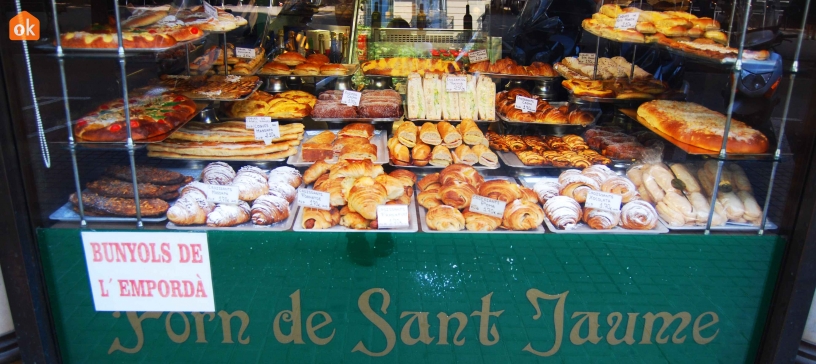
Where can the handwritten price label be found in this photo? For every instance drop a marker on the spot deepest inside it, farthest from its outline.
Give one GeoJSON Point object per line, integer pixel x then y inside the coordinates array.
{"type": "Point", "coordinates": [586, 58]}
{"type": "Point", "coordinates": [526, 104]}
{"type": "Point", "coordinates": [392, 216]}
{"type": "Point", "coordinates": [316, 199]}
{"type": "Point", "coordinates": [351, 98]}
{"type": "Point", "coordinates": [477, 56]}
{"type": "Point", "coordinates": [267, 132]}
{"type": "Point", "coordinates": [626, 21]}
{"type": "Point", "coordinates": [603, 201]}
{"type": "Point", "coordinates": [254, 121]}
{"type": "Point", "coordinates": [245, 52]}
{"type": "Point", "coordinates": [210, 10]}
{"type": "Point", "coordinates": [487, 206]}
{"type": "Point", "coordinates": [456, 84]}
{"type": "Point", "coordinates": [223, 194]}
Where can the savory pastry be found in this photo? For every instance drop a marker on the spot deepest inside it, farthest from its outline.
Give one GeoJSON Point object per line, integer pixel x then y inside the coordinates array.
{"type": "Point", "coordinates": [478, 222]}
{"type": "Point", "coordinates": [319, 147]}
{"type": "Point", "coordinates": [463, 154]}
{"type": "Point", "coordinates": [359, 152]}
{"type": "Point", "coordinates": [268, 210]}
{"type": "Point", "coordinates": [444, 218]}
{"type": "Point", "coordinates": [150, 116]}
{"type": "Point", "coordinates": [333, 69]}
{"type": "Point", "coordinates": [563, 212]}
{"type": "Point", "coordinates": [217, 173]}
{"type": "Point", "coordinates": [357, 130]}
{"type": "Point", "coordinates": [315, 171]}
{"type": "Point", "coordinates": [601, 219]}
{"type": "Point", "coordinates": [319, 219]}
{"type": "Point", "coordinates": [638, 215]}
{"type": "Point", "coordinates": [499, 189]}
{"type": "Point", "coordinates": [421, 154]}
{"type": "Point", "coordinates": [407, 134]}
{"type": "Point", "coordinates": [398, 153]}
{"type": "Point", "coordinates": [486, 156]}
{"type": "Point", "coordinates": [229, 215]}
{"type": "Point", "coordinates": [251, 182]}
{"type": "Point", "coordinates": [429, 134]}
{"type": "Point", "coordinates": [365, 196]}
{"type": "Point", "coordinates": [353, 220]}
{"type": "Point", "coordinates": [620, 186]}
{"type": "Point", "coordinates": [522, 215]}
{"type": "Point", "coordinates": [290, 58]}
{"type": "Point", "coordinates": [191, 208]}
{"type": "Point", "coordinates": [441, 156]}
{"type": "Point", "coordinates": [450, 136]}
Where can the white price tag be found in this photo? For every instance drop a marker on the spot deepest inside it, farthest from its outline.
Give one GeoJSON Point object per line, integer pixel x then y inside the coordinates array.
{"type": "Point", "coordinates": [456, 84]}
{"type": "Point", "coordinates": [477, 56]}
{"type": "Point", "coordinates": [245, 52]}
{"type": "Point", "coordinates": [487, 206]}
{"type": "Point", "coordinates": [626, 20]}
{"type": "Point", "coordinates": [603, 201]}
{"type": "Point", "coordinates": [351, 98]}
{"type": "Point", "coordinates": [392, 216]}
{"type": "Point", "coordinates": [223, 194]}
{"type": "Point", "coordinates": [254, 121]}
{"type": "Point", "coordinates": [586, 58]}
{"type": "Point", "coordinates": [267, 132]}
{"type": "Point", "coordinates": [316, 199]}
{"type": "Point", "coordinates": [210, 10]}
{"type": "Point", "coordinates": [526, 104]}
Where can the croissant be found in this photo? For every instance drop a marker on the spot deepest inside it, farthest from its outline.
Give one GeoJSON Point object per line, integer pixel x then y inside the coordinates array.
{"type": "Point", "coordinates": [429, 199]}
{"type": "Point", "coordinates": [407, 134]}
{"type": "Point", "coordinates": [406, 177]}
{"type": "Point", "coordinates": [286, 175]}
{"type": "Point", "coordinates": [353, 220]}
{"type": "Point", "coordinates": [577, 186]}
{"type": "Point", "coordinates": [638, 215]}
{"type": "Point", "coordinates": [404, 199]}
{"type": "Point", "coordinates": [217, 173]}
{"type": "Point", "coordinates": [601, 219]}
{"type": "Point", "coordinates": [546, 189]}
{"type": "Point", "coordinates": [522, 215]}
{"type": "Point", "coordinates": [527, 194]}
{"type": "Point", "coordinates": [335, 188]}
{"type": "Point", "coordinates": [428, 180]}
{"type": "Point", "coordinates": [620, 186]}
{"type": "Point", "coordinates": [461, 172]}
{"type": "Point", "coordinates": [228, 215]}
{"type": "Point", "coordinates": [319, 219]}
{"type": "Point", "coordinates": [563, 212]}
{"type": "Point", "coordinates": [450, 136]}
{"type": "Point", "coordinates": [269, 209]}
{"type": "Point", "coordinates": [314, 171]}
{"type": "Point", "coordinates": [365, 196]}
{"type": "Point", "coordinates": [457, 194]}
{"type": "Point", "coordinates": [444, 218]}
{"type": "Point", "coordinates": [356, 169]}
{"type": "Point", "coordinates": [499, 189]}
{"type": "Point", "coordinates": [320, 184]}
{"type": "Point", "coordinates": [191, 208]}
{"type": "Point", "coordinates": [393, 186]}
{"type": "Point", "coordinates": [478, 222]}
{"type": "Point", "coordinates": [283, 191]}
{"type": "Point", "coordinates": [251, 182]}
{"type": "Point", "coordinates": [598, 173]}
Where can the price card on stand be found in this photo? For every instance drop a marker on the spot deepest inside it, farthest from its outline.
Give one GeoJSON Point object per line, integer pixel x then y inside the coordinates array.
{"type": "Point", "coordinates": [351, 98]}
{"type": "Point", "coordinates": [487, 206]}
{"type": "Point", "coordinates": [392, 216]}
{"type": "Point", "coordinates": [526, 104]}
{"type": "Point", "coordinates": [218, 193]}
{"type": "Point", "coordinates": [210, 10]}
{"type": "Point", "coordinates": [586, 58]}
{"type": "Point", "coordinates": [477, 56]}
{"type": "Point", "coordinates": [267, 132]}
{"type": "Point", "coordinates": [245, 52]}
{"type": "Point", "coordinates": [626, 21]}
{"type": "Point", "coordinates": [316, 199]}
{"type": "Point", "coordinates": [253, 121]}
{"type": "Point", "coordinates": [150, 271]}
{"type": "Point", "coordinates": [603, 201]}
{"type": "Point", "coordinates": [456, 84]}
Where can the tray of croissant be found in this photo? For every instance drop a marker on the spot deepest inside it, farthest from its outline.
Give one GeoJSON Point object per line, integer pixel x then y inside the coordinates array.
{"type": "Point", "coordinates": [355, 189]}
{"type": "Point", "coordinates": [264, 200]}
{"type": "Point", "coordinates": [507, 68]}
{"type": "Point", "coordinates": [446, 198]}
{"type": "Point", "coordinates": [564, 214]}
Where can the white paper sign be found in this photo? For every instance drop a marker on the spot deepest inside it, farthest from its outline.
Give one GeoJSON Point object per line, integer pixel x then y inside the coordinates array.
{"type": "Point", "coordinates": [351, 98]}
{"type": "Point", "coordinates": [223, 194]}
{"type": "Point", "coordinates": [253, 121]}
{"type": "Point", "coordinates": [267, 132]}
{"type": "Point", "coordinates": [487, 206]}
{"type": "Point", "coordinates": [456, 84]}
{"type": "Point", "coordinates": [149, 271]}
{"type": "Point", "coordinates": [477, 56]}
{"type": "Point", "coordinates": [626, 20]}
{"type": "Point", "coordinates": [316, 199]}
{"type": "Point", "coordinates": [245, 52]}
{"type": "Point", "coordinates": [526, 104]}
{"type": "Point", "coordinates": [586, 58]}
{"type": "Point", "coordinates": [210, 10]}
{"type": "Point", "coordinates": [603, 201]}
{"type": "Point", "coordinates": [392, 216]}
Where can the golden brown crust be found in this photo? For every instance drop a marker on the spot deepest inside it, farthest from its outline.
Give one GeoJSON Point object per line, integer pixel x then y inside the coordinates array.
{"type": "Point", "coordinates": [290, 58]}
{"type": "Point", "coordinates": [333, 69]}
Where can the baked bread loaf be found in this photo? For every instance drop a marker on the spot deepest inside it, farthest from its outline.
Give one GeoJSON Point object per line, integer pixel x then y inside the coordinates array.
{"type": "Point", "coordinates": [444, 218]}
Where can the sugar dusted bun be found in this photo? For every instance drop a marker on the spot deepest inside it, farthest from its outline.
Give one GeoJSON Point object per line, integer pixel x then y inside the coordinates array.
{"type": "Point", "coordinates": [217, 173]}
{"type": "Point", "coordinates": [638, 215]}
{"type": "Point", "coordinates": [308, 69]}
{"type": "Point", "coordinates": [290, 58]}
{"type": "Point", "coordinates": [333, 69]}
{"type": "Point", "coordinates": [564, 212]}
{"type": "Point", "coordinates": [317, 58]}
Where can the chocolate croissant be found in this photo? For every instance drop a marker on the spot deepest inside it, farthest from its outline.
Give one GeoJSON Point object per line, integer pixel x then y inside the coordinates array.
{"type": "Point", "coordinates": [479, 222]}
{"type": "Point", "coordinates": [461, 172]}
{"type": "Point", "coordinates": [269, 209]}
{"type": "Point", "coordinates": [601, 219]}
{"type": "Point", "coordinates": [444, 218]}
{"type": "Point", "coordinates": [638, 215]}
{"type": "Point", "coordinates": [499, 189]}
{"type": "Point", "coordinates": [457, 194]}
{"type": "Point", "coordinates": [522, 215]}
{"type": "Point", "coordinates": [228, 215]}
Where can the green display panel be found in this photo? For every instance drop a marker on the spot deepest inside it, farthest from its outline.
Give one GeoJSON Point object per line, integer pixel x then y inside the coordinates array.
{"type": "Point", "coordinates": [438, 298]}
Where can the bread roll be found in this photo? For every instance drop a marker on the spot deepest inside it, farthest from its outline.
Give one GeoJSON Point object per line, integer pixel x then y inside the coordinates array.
{"type": "Point", "coordinates": [486, 157]}
{"type": "Point", "coordinates": [407, 134]}
{"type": "Point", "coordinates": [421, 154]}
{"type": "Point", "coordinates": [429, 134]}
{"type": "Point", "coordinates": [463, 154]}
{"type": "Point", "coordinates": [450, 136]}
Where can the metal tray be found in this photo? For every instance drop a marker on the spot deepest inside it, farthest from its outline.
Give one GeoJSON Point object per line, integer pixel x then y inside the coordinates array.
{"type": "Point", "coordinates": [351, 69]}
{"type": "Point", "coordinates": [412, 221]}
{"type": "Point", "coordinates": [47, 45]}
{"type": "Point", "coordinates": [242, 98]}
{"type": "Point", "coordinates": [378, 139]}
{"type": "Point", "coordinates": [357, 120]}
{"type": "Point", "coordinates": [247, 226]}
{"type": "Point", "coordinates": [517, 77]}
{"type": "Point", "coordinates": [224, 159]}
{"type": "Point", "coordinates": [728, 61]}
{"type": "Point", "coordinates": [450, 121]}
{"type": "Point", "coordinates": [422, 213]}
{"type": "Point", "coordinates": [511, 160]}
{"type": "Point", "coordinates": [729, 226]}
{"type": "Point", "coordinates": [601, 36]}
{"type": "Point", "coordinates": [551, 129]}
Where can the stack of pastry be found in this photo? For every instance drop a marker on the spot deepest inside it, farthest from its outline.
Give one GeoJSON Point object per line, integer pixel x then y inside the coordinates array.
{"type": "Point", "coordinates": [620, 88]}
{"type": "Point", "coordinates": [373, 104]}
{"type": "Point", "coordinates": [675, 29]}
{"type": "Point", "coordinates": [608, 69]}
{"type": "Point", "coordinates": [447, 196]}
{"type": "Point", "coordinates": [439, 145]}
{"type": "Point", "coordinates": [544, 114]}
{"type": "Point", "coordinates": [685, 200]}
{"type": "Point", "coordinates": [356, 188]}
{"type": "Point", "coordinates": [285, 105]}
{"type": "Point", "coordinates": [428, 98]}
{"type": "Point", "coordinates": [112, 195]}
{"type": "Point", "coordinates": [209, 87]}
{"type": "Point", "coordinates": [612, 142]}
{"type": "Point", "coordinates": [567, 151]}
{"type": "Point", "coordinates": [212, 62]}
{"type": "Point", "coordinates": [226, 141]}
{"type": "Point", "coordinates": [508, 66]}
{"type": "Point", "coordinates": [402, 66]}
{"type": "Point", "coordinates": [353, 142]}
{"type": "Point", "coordinates": [198, 16]}
{"type": "Point", "coordinates": [294, 63]}
{"type": "Point", "coordinates": [562, 201]}
{"type": "Point", "coordinates": [264, 198]}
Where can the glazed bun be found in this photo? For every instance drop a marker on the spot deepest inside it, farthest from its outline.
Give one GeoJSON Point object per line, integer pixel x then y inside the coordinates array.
{"type": "Point", "coordinates": [333, 69]}
{"type": "Point", "coordinates": [309, 69]}
{"type": "Point", "coordinates": [290, 58]}
{"type": "Point", "coordinates": [317, 58]}
{"type": "Point", "coordinates": [276, 68]}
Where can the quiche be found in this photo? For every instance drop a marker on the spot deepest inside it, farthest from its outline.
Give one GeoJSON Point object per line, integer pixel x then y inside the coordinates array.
{"type": "Point", "coordinates": [699, 126]}
{"type": "Point", "coordinates": [150, 116]}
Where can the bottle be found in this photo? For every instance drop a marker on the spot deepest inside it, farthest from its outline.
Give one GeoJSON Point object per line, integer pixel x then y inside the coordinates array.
{"type": "Point", "coordinates": [302, 44]}
{"type": "Point", "coordinates": [291, 45]}
{"type": "Point", "coordinates": [334, 48]}
{"type": "Point", "coordinates": [280, 47]}
{"type": "Point", "coordinates": [376, 18]}
{"type": "Point", "coordinates": [467, 24]}
{"type": "Point", "coordinates": [485, 19]}
{"type": "Point", "coordinates": [422, 19]}
{"type": "Point", "coordinates": [320, 45]}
